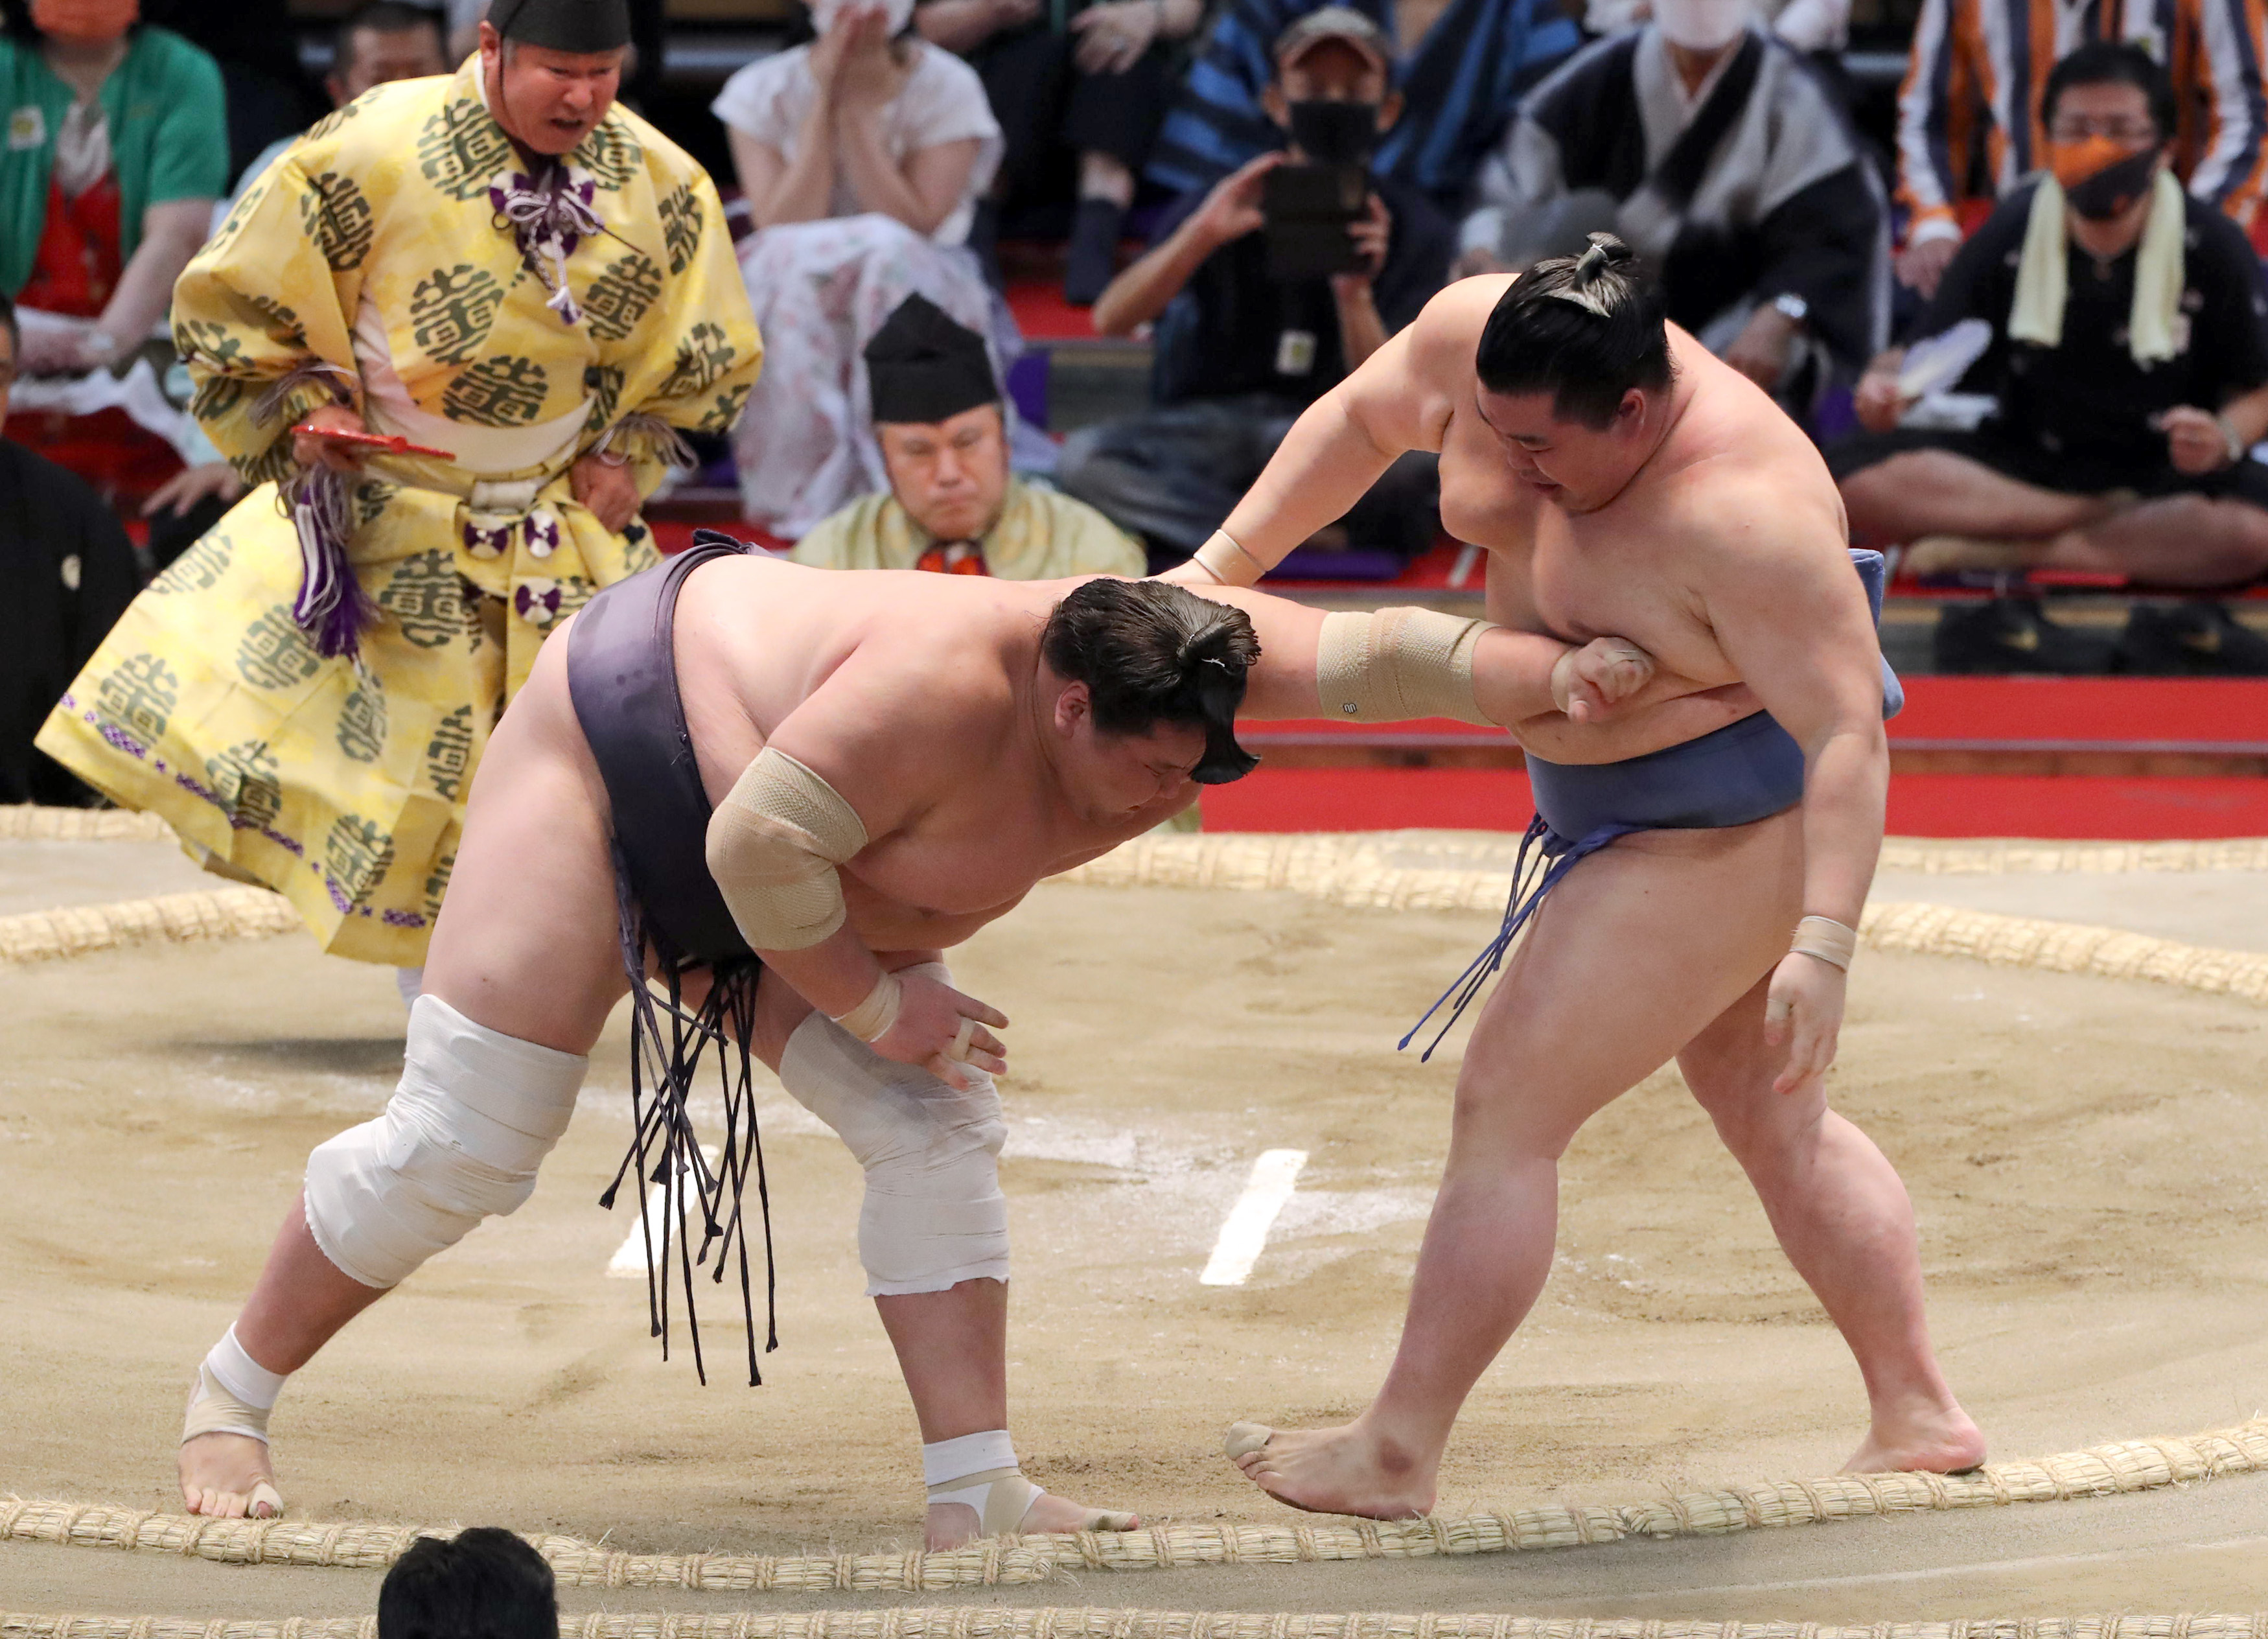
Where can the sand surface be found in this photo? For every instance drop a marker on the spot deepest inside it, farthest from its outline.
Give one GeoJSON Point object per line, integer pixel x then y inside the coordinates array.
{"type": "Point", "coordinates": [2089, 1158]}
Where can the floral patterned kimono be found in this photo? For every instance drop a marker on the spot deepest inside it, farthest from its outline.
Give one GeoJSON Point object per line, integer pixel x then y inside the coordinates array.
{"type": "Point", "coordinates": [304, 695]}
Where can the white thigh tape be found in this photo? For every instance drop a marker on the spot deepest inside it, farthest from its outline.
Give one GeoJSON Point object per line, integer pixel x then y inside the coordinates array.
{"type": "Point", "coordinates": [459, 1141]}
{"type": "Point", "coordinates": [934, 1214]}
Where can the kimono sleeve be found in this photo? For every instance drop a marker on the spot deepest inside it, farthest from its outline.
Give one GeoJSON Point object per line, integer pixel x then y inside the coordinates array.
{"type": "Point", "coordinates": [697, 353]}
{"type": "Point", "coordinates": [260, 315]}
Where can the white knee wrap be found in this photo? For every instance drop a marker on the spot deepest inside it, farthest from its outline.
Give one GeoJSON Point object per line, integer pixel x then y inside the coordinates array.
{"type": "Point", "coordinates": [460, 1140]}
{"type": "Point", "coordinates": [934, 1214]}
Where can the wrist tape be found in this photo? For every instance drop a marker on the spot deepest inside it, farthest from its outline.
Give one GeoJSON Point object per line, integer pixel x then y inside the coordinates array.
{"type": "Point", "coordinates": [773, 846]}
{"type": "Point", "coordinates": [870, 1020]}
{"type": "Point", "coordinates": [1826, 939]}
{"type": "Point", "coordinates": [1228, 563]}
{"type": "Point", "coordinates": [1396, 664]}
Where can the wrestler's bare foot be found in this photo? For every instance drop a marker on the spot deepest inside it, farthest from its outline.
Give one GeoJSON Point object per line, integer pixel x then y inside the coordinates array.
{"type": "Point", "coordinates": [955, 1525]}
{"type": "Point", "coordinates": [1938, 1440]}
{"type": "Point", "coordinates": [1347, 1470]}
{"type": "Point", "coordinates": [229, 1476]}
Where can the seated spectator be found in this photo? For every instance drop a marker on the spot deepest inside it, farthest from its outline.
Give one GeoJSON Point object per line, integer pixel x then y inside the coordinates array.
{"type": "Point", "coordinates": [1239, 354]}
{"type": "Point", "coordinates": [117, 147]}
{"type": "Point", "coordinates": [379, 42]}
{"type": "Point", "coordinates": [1969, 108]}
{"type": "Point", "coordinates": [1087, 81]}
{"type": "Point", "coordinates": [480, 1584]}
{"type": "Point", "coordinates": [69, 574]}
{"type": "Point", "coordinates": [1817, 28]}
{"type": "Point", "coordinates": [952, 506]}
{"type": "Point", "coordinates": [2128, 364]}
{"type": "Point", "coordinates": [1462, 66]}
{"type": "Point", "coordinates": [1712, 149]}
{"type": "Point", "coordinates": [862, 155]}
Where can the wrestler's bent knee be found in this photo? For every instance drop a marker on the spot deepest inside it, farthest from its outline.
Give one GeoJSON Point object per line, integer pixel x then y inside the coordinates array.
{"type": "Point", "coordinates": [933, 1214]}
{"type": "Point", "coordinates": [474, 1115]}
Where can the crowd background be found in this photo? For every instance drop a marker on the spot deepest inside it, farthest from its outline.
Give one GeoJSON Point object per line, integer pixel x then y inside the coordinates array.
{"type": "Point", "coordinates": [1815, 180]}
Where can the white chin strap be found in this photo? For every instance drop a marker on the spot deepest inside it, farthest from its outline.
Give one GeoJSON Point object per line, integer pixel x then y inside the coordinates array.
{"type": "Point", "coordinates": [473, 1117]}
{"type": "Point", "coordinates": [934, 1216]}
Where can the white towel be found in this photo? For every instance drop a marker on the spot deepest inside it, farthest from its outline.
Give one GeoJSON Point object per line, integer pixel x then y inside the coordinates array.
{"type": "Point", "coordinates": [2043, 280]}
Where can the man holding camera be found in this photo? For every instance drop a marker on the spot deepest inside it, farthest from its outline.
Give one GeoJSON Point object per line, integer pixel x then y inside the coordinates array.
{"type": "Point", "coordinates": [1267, 291]}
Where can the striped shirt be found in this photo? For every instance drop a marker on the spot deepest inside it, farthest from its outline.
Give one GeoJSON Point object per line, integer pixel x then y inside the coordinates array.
{"type": "Point", "coordinates": [1978, 65]}
{"type": "Point", "coordinates": [1459, 87]}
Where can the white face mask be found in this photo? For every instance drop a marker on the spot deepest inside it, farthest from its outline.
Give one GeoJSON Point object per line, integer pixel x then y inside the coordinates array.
{"type": "Point", "coordinates": [1701, 25]}
{"type": "Point", "coordinates": [900, 12]}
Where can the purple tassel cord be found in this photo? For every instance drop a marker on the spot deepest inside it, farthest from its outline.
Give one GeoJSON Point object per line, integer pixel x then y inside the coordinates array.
{"type": "Point", "coordinates": [549, 220]}
{"type": "Point", "coordinates": [331, 608]}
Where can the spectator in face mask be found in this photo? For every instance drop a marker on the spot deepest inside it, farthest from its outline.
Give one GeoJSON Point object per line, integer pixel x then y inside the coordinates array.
{"type": "Point", "coordinates": [1712, 149]}
{"type": "Point", "coordinates": [2127, 364]}
{"type": "Point", "coordinates": [1462, 67]}
{"type": "Point", "coordinates": [1239, 353]}
{"type": "Point", "coordinates": [1969, 107]}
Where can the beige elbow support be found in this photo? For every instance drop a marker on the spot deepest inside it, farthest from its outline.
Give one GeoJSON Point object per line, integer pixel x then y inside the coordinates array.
{"type": "Point", "coordinates": [1396, 664]}
{"type": "Point", "coordinates": [774, 843]}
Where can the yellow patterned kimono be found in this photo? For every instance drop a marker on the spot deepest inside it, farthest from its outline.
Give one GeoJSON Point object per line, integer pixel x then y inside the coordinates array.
{"type": "Point", "coordinates": [371, 256]}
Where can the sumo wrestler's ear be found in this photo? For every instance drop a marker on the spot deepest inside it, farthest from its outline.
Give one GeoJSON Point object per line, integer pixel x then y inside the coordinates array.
{"type": "Point", "coordinates": [1074, 706]}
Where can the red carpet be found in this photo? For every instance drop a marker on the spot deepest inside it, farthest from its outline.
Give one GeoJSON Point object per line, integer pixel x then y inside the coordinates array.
{"type": "Point", "coordinates": [1921, 805]}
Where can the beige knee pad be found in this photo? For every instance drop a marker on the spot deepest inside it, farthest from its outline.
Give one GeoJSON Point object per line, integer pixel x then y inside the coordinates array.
{"type": "Point", "coordinates": [475, 1113]}
{"type": "Point", "coordinates": [933, 1214]}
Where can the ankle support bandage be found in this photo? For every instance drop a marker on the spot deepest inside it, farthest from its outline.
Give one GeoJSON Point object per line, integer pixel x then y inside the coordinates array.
{"type": "Point", "coordinates": [1397, 664]}
{"type": "Point", "coordinates": [934, 1214]}
{"type": "Point", "coordinates": [460, 1140]}
{"type": "Point", "coordinates": [233, 1393]}
{"type": "Point", "coordinates": [979, 1470]}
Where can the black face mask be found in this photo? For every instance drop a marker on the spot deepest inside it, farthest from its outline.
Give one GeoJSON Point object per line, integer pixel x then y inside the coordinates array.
{"type": "Point", "coordinates": [1335, 133]}
{"type": "Point", "coordinates": [2113, 190]}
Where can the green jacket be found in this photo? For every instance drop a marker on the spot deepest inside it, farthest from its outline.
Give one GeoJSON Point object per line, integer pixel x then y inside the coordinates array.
{"type": "Point", "coordinates": [168, 138]}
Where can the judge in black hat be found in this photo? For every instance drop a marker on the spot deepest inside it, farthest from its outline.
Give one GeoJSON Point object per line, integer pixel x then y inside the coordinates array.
{"type": "Point", "coordinates": [551, 68]}
{"type": "Point", "coordinates": [953, 505]}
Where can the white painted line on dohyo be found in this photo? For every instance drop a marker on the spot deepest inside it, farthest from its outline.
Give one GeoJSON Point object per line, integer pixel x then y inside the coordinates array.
{"type": "Point", "coordinates": [1246, 1232]}
{"type": "Point", "coordinates": [628, 1261]}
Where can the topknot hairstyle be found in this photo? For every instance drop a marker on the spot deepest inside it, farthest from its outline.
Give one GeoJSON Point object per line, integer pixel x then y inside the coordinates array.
{"type": "Point", "coordinates": [1151, 652]}
{"type": "Point", "coordinates": [1585, 330]}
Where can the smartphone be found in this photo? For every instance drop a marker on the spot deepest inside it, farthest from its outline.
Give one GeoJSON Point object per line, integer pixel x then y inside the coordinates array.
{"type": "Point", "coordinates": [1305, 210]}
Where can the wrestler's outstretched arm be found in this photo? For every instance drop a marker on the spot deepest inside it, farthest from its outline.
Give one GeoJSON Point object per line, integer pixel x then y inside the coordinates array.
{"type": "Point", "coordinates": [859, 759]}
{"type": "Point", "coordinates": [1513, 675]}
{"type": "Point", "coordinates": [1339, 447]}
{"type": "Point", "coordinates": [1597, 702]}
{"type": "Point", "coordinates": [1794, 623]}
